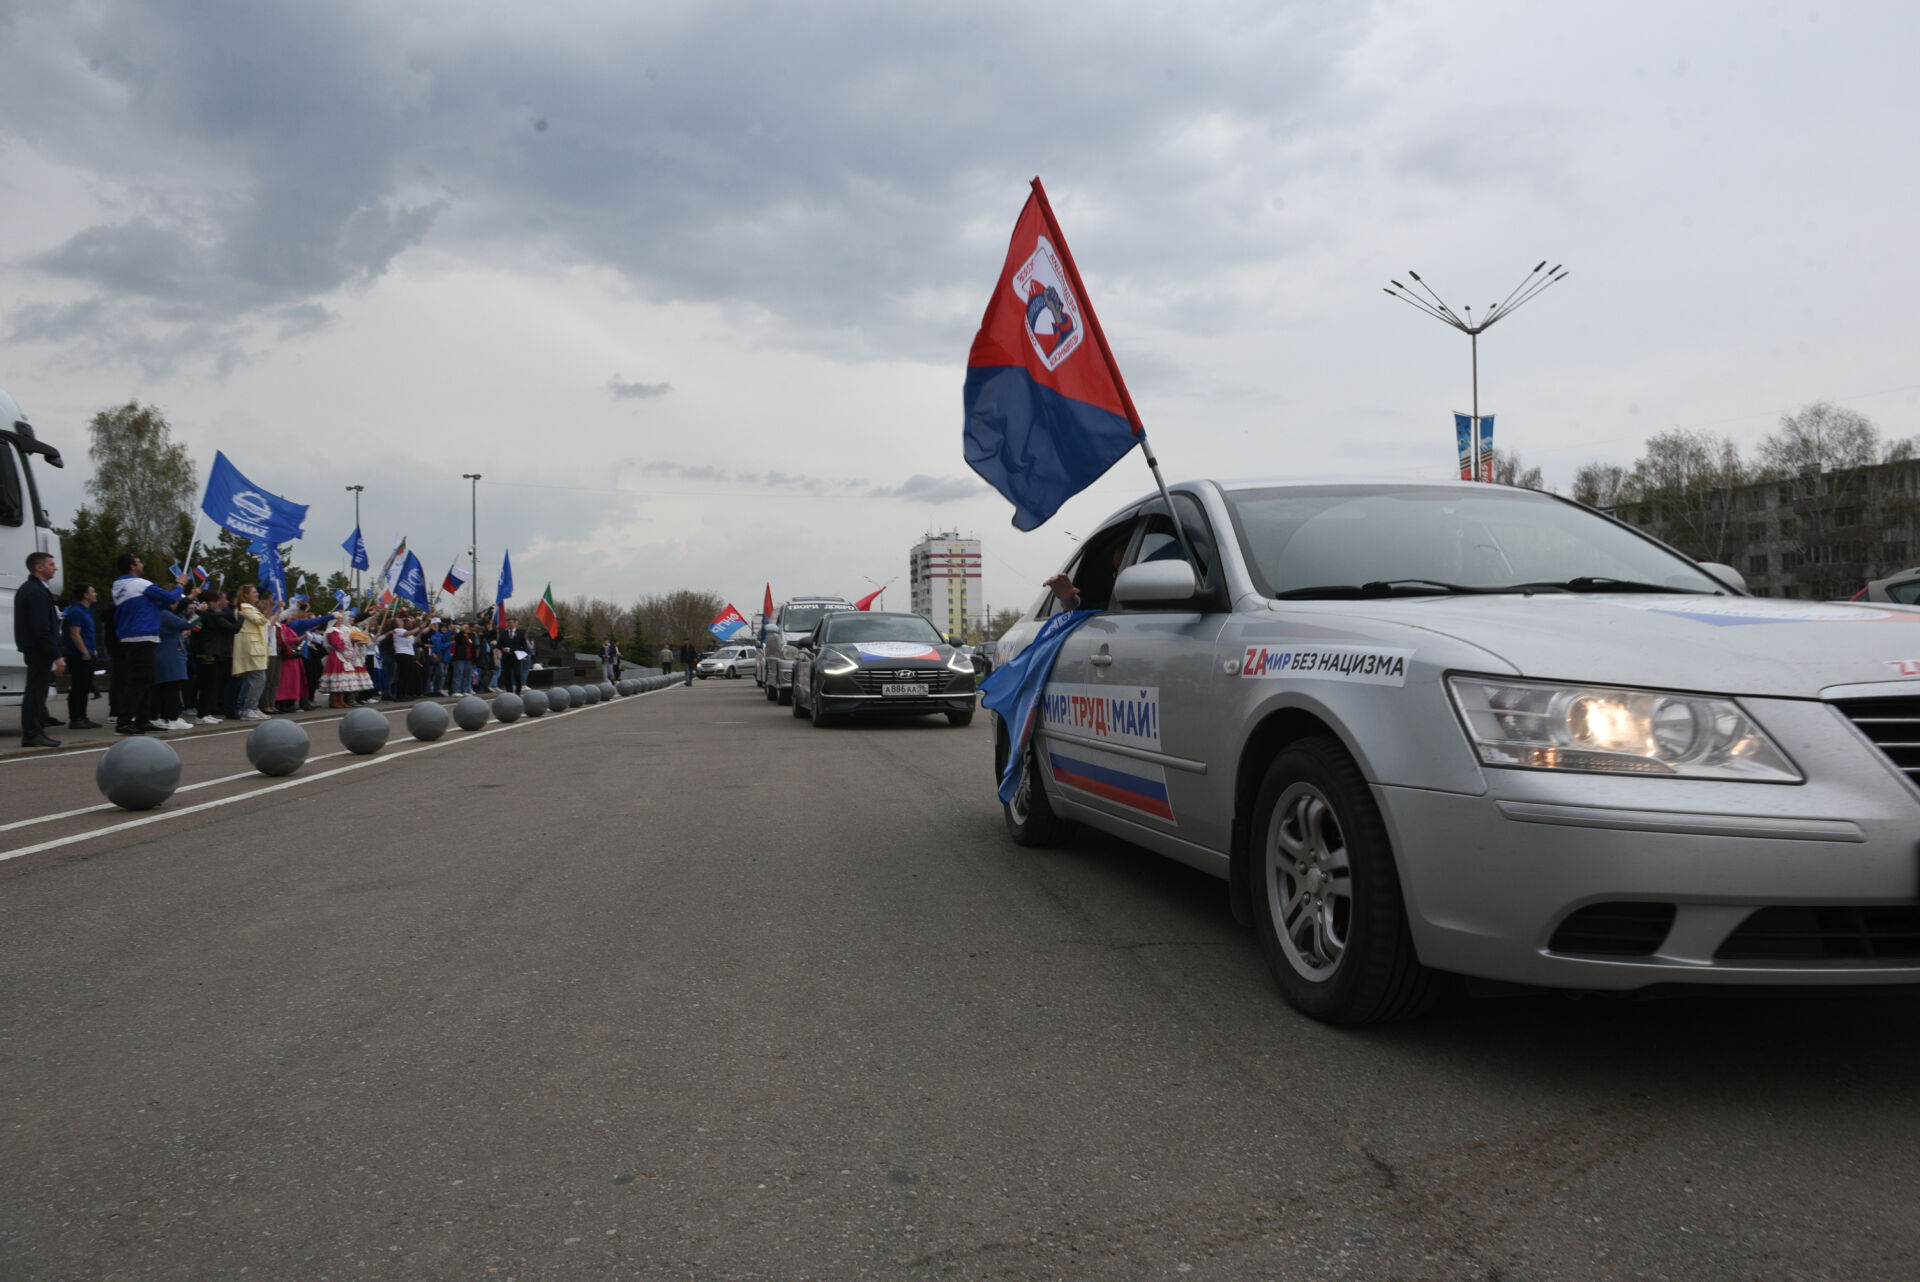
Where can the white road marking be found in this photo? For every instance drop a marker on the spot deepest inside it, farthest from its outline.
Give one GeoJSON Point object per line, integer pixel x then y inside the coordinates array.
{"type": "Point", "coordinates": [158, 816]}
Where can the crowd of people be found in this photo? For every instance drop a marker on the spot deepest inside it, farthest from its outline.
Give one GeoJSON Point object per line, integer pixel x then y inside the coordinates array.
{"type": "Point", "coordinates": [179, 655]}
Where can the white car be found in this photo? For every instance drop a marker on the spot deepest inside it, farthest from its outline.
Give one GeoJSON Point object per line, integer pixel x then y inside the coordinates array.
{"type": "Point", "coordinates": [729, 661]}
{"type": "Point", "coordinates": [1467, 728]}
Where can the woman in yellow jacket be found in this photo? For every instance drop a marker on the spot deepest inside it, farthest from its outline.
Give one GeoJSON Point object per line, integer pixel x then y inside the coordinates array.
{"type": "Point", "coordinates": [249, 656]}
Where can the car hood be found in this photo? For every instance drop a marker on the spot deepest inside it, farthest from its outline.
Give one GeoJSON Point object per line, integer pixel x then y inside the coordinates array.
{"type": "Point", "coordinates": [892, 654]}
{"type": "Point", "coordinates": [1733, 645]}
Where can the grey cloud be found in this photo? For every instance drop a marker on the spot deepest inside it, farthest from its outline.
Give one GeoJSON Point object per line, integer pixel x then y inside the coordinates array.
{"type": "Point", "coordinates": [623, 391]}
{"type": "Point", "coordinates": [933, 489]}
{"type": "Point", "coordinates": [835, 170]}
{"type": "Point", "coordinates": [699, 472]}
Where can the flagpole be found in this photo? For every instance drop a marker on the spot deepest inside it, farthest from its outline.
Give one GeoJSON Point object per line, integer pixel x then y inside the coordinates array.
{"type": "Point", "coordinates": [1113, 367]}
{"type": "Point", "coordinates": [192, 544]}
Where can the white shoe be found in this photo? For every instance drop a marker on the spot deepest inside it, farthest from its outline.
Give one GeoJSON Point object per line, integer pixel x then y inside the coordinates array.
{"type": "Point", "coordinates": [253, 714]}
{"type": "Point", "coordinates": [179, 723]}
{"type": "Point", "coordinates": [209, 721]}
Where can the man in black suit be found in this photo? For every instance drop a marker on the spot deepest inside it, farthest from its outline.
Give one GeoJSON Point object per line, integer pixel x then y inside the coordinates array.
{"type": "Point", "coordinates": [36, 634]}
{"type": "Point", "coordinates": [513, 642]}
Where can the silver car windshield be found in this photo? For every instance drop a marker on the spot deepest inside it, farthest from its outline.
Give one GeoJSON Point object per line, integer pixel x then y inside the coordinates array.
{"type": "Point", "coordinates": [1350, 538]}
{"type": "Point", "coordinates": [801, 618]}
{"type": "Point", "coordinates": [881, 627]}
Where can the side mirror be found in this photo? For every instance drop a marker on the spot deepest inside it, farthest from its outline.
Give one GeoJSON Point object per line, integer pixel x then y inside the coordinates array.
{"type": "Point", "coordinates": [1156, 583]}
{"type": "Point", "coordinates": [1726, 574]}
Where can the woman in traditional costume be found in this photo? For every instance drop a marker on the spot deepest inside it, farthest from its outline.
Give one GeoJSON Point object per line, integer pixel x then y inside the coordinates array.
{"type": "Point", "coordinates": [345, 672]}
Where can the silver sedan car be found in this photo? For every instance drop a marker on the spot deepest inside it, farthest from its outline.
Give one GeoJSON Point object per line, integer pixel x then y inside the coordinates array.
{"type": "Point", "coordinates": [1466, 728]}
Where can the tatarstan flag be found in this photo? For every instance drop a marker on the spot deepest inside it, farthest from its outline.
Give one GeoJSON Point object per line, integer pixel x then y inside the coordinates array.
{"type": "Point", "coordinates": [547, 614]}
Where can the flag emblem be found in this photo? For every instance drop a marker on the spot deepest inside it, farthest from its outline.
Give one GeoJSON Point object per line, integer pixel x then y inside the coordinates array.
{"type": "Point", "coordinates": [1053, 317]}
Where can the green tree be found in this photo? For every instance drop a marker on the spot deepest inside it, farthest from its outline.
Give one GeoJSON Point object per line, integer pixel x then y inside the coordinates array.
{"type": "Point", "coordinates": [88, 548]}
{"type": "Point", "coordinates": [142, 478]}
{"type": "Point", "coordinates": [1002, 620]}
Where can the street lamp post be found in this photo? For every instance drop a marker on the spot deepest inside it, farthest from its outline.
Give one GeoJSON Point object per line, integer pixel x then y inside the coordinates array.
{"type": "Point", "coordinates": [474, 550]}
{"type": "Point", "coordinates": [356, 529]}
{"type": "Point", "coordinates": [1531, 286]}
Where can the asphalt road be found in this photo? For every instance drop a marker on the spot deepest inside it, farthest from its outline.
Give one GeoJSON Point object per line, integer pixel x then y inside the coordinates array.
{"type": "Point", "coordinates": [680, 987]}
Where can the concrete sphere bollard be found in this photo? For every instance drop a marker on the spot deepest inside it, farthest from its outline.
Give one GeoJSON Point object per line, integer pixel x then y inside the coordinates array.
{"type": "Point", "coordinates": [507, 707]}
{"type": "Point", "coordinates": [558, 700]}
{"type": "Point", "coordinates": [624, 686]}
{"type": "Point", "coordinates": [426, 721]}
{"type": "Point", "coordinates": [578, 694]}
{"type": "Point", "coordinates": [592, 692]}
{"type": "Point", "coordinates": [471, 713]}
{"type": "Point", "coordinates": [534, 701]}
{"type": "Point", "coordinates": [363, 732]}
{"type": "Point", "coordinates": [138, 773]}
{"type": "Point", "coordinates": [278, 747]}
{"type": "Point", "coordinates": [606, 691]}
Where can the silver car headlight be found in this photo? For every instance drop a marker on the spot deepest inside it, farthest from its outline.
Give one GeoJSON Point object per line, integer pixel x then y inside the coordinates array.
{"type": "Point", "coordinates": [1545, 725]}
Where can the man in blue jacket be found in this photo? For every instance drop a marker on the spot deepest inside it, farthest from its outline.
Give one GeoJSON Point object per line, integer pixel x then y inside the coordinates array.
{"type": "Point", "coordinates": [36, 634]}
{"type": "Point", "coordinates": [80, 645]}
{"type": "Point", "coordinates": [137, 603]}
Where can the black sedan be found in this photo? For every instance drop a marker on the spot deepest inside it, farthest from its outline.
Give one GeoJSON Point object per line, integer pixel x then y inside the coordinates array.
{"type": "Point", "coordinates": [860, 663]}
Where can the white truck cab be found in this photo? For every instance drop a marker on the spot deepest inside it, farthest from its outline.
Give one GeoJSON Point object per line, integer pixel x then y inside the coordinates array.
{"type": "Point", "coordinates": [791, 622]}
{"type": "Point", "coordinates": [25, 528]}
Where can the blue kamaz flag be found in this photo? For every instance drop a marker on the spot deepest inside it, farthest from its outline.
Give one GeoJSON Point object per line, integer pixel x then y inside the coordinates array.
{"type": "Point", "coordinates": [356, 548]}
{"type": "Point", "coordinates": [412, 583]}
{"type": "Point", "coordinates": [243, 507]}
{"type": "Point", "coordinates": [273, 575]}
{"type": "Point", "coordinates": [1012, 691]}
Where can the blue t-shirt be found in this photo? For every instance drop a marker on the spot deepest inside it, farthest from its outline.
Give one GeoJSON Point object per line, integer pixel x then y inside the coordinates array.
{"type": "Point", "coordinates": [77, 616]}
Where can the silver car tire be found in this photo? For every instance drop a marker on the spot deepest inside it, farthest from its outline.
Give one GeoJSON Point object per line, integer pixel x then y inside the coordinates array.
{"type": "Point", "coordinates": [785, 697]}
{"type": "Point", "coordinates": [1326, 895]}
{"type": "Point", "coordinates": [773, 695]}
{"type": "Point", "coordinates": [793, 697]}
{"type": "Point", "coordinates": [1030, 818]}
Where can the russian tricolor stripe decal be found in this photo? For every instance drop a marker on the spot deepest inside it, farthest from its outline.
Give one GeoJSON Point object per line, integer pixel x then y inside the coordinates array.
{"type": "Point", "coordinates": [1136, 792]}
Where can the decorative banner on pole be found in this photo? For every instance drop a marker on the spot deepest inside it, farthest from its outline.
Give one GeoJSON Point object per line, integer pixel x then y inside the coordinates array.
{"type": "Point", "coordinates": [727, 623]}
{"type": "Point", "coordinates": [503, 591]}
{"type": "Point", "coordinates": [241, 506]}
{"type": "Point", "coordinates": [1463, 433]}
{"type": "Point", "coordinates": [356, 548]}
{"type": "Point", "coordinates": [866, 602]}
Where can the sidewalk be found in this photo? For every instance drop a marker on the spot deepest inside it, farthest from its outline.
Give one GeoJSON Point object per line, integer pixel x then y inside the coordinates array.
{"type": "Point", "coordinates": [74, 740]}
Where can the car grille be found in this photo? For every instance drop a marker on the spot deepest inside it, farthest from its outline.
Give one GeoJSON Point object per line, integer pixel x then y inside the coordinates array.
{"type": "Point", "coordinates": [1888, 933]}
{"type": "Point", "coordinates": [871, 679]}
{"type": "Point", "coordinates": [1625, 929]}
{"type": "Point", "coordinates": [1894, 726]}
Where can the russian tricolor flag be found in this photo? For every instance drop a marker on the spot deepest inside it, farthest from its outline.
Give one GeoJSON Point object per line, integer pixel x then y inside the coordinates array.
{"type": "Point", "coordinates": [1047, 410]}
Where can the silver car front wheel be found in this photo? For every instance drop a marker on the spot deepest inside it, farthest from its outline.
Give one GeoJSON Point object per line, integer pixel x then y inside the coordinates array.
{"type": "Point", "coordinates": [1309, 886]}
{"type": "Point", "coordinates": [1326, 893]}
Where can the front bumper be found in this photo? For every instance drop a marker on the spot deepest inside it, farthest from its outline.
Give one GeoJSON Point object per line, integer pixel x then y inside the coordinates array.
{"type": "Point", "coordinates": [1491, 881]}
{"type": "Point", "coordinates": [879, 705]}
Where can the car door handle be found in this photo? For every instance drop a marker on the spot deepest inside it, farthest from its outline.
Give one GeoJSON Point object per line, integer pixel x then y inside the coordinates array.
{"type": "Point", "coordinates": [1100, 660]}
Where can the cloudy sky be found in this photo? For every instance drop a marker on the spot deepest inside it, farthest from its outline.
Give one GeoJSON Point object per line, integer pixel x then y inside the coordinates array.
{"type": "Point", "coordinates": [692, 284]}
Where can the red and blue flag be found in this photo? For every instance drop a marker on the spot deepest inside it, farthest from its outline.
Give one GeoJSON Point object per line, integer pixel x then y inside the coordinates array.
{"type": "Point", "coordinates": [453, 582]}
{"type": "Point", "coordinates": [1047, 410]}
{"type": "Point", "coordinates": [726, 623]}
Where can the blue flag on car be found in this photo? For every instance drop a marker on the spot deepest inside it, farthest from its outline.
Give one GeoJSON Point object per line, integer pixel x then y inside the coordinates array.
{"type": "Point", "coordinates": [1012, 691]}
{"type": "Point", "coordinates": [356, 548]}
{"type": "Point", "coordinates": [238, 504]}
